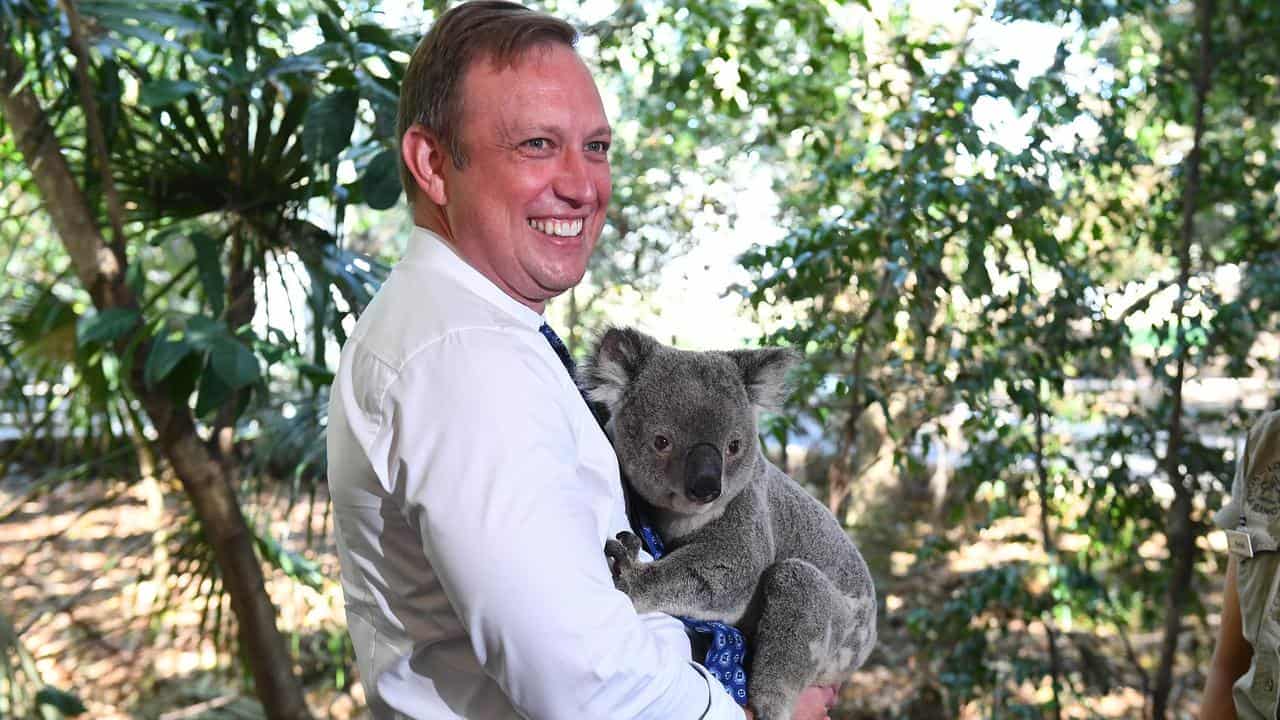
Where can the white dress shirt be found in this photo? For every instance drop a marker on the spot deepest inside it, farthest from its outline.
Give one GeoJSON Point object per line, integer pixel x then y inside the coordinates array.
{"type": "Point", "coordinates": [473, 493]}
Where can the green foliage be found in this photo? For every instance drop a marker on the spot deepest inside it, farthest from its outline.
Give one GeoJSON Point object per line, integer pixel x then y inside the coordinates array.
{"type": "Point", "coordinates": [380, 184]}
{"type": "Point", "coordinates": [958, 292]}
{"type": "Point", "coordinates": [106, 326]}
{"type": "Point", "coordinates": [223, 127]}
{"type": "Point", "coordinates": [327, 126]}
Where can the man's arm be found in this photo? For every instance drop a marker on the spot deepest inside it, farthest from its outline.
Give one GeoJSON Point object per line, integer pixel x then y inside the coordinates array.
{"type": "Point", "coordinates": [485, 455]}
{"type": "Point", "coordinates": [1231, 655]}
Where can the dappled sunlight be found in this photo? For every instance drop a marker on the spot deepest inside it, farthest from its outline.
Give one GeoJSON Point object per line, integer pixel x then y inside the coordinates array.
{"type": "Point", "coordinates": [76, 564]}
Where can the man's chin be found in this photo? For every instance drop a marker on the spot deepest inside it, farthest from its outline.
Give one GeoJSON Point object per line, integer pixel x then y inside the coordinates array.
{"type": "Point", "coordinates": [554, 284]}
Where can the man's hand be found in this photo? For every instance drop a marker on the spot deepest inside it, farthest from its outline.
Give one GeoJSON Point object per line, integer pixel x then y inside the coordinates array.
{"type": "Point", "coordinates": [812, 703]}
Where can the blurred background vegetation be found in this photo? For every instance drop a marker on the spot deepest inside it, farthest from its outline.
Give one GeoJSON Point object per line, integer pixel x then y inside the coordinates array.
{"type": "Point", "coordinates": [1030, 248]}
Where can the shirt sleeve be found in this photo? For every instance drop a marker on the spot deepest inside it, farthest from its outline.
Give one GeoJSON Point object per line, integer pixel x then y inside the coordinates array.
{"type": "Point", "coordinates": [1229, 516]}
{"type": "Point", "coordinates": [483, 447]}
{"type": "Point", "coordinates": [1259, 459]}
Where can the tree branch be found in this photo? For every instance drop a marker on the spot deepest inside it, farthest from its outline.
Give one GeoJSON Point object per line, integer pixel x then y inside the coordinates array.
{"type": "Point", "coordinates": [100, 271]}
{"type": "Point", "coordinates": [93, 121]}
{"type": "Point", "coordinates": [1180, 532]}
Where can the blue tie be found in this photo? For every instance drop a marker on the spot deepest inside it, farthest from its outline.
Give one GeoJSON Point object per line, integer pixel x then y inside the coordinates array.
{"type": "Point", "coordinates": [566, 359]}
{"type": "Point", "coordinates": [558, 345]}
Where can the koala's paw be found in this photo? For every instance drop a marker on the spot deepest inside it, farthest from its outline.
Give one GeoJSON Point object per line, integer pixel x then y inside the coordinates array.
{"type": "Point", "coordinates": [623, 554]}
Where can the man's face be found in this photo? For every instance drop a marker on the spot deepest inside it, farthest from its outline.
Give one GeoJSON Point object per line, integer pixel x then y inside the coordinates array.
{"type": "Point", "coordinates": [527, 209]}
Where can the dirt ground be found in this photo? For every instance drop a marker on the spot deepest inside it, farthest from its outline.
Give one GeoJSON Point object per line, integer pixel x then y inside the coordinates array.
{"type": "Point", "coordinates": [80, 580]}
{"type": "Point", "coordinates": [115, 616]}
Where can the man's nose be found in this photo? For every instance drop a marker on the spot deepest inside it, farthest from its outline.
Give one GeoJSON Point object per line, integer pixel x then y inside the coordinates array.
{"type": "Point", "coordinates": [575, 183]}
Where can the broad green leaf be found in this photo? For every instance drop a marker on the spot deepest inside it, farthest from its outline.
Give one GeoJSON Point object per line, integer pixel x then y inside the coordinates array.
{"type": "Point", "coordinates": [209, 266]}
{"type": "Point", "coordinates": [202, 332]}
{"type": "Point", "coordinates": [381, 181]}
{"type": "Point", "coordinates": [105, 326]}
{"type": "Point", "coordinates": [136, 278]}
{"type": "Point", "coordinates": [159, 93]}
{"type": "Point", "coordinates": [165, 355]}
{"type": "Point", "coordinates": [302, 64]}
{"type": "Point", "coordinates": [235, 364]}
{"type": "Point", "coordinates": [140, 19]}
{"type": "Point", "coordinates": [212, 393]}
{"type": "Point", "coordinates": [326, 129]}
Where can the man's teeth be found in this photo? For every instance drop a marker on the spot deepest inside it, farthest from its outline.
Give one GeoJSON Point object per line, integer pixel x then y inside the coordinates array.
{"type": "Point", "coordinates": [561, 228]}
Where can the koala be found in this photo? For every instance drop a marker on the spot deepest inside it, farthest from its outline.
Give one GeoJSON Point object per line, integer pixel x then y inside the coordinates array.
{"type": "Point", "coordinates": [745, 543]}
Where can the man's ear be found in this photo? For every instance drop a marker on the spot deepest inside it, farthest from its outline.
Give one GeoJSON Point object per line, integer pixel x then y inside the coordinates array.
{"type": "Point", "coordinates": [425, 156]}
{"type": "Point", "coordinates": [764, 374]}
{"type": "Point", "coordinates": [618, 358]}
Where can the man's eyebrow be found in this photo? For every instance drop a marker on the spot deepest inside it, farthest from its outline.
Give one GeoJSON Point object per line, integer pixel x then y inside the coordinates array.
{"type": "Point", "coordinates": [542, 129]}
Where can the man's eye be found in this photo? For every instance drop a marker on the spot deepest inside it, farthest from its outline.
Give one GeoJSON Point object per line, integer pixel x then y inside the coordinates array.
{"type": "Point", "coordinates": [598, 146]}
{"type": "Point", "coordinates": [537, 143]}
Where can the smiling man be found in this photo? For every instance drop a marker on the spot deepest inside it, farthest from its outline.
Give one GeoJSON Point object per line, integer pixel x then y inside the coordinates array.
{"type": "Point", "coordinates": [473, 490]}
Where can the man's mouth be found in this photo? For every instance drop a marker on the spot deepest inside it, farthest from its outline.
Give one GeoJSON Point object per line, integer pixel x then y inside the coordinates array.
{"type": "Point", "coordinates": [558, 228]}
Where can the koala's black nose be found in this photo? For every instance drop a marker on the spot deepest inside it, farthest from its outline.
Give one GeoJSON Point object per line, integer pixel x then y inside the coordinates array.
{"type": "Point", "coordinates": [702, 468]}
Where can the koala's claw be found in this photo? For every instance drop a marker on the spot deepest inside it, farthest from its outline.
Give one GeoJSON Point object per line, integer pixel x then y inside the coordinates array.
{"type": "Point", "coordinates": [623, 554]}
{"type": "Point", "coordinates": [617, 555]}
{"type": "Point", "coordinates": [630, 542]}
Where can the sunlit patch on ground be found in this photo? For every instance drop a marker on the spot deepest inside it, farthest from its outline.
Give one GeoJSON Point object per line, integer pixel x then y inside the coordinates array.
{"type": "Point", "coordinates": [77, 567]}
{"type": "Point", "coordinates": [900, 682]}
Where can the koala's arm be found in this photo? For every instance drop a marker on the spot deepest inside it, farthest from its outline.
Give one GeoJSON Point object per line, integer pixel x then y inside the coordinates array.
{"type": "Point", "coordinates": [713, 579]}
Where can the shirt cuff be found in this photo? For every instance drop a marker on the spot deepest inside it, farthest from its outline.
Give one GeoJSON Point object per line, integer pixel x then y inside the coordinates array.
{"type": "Point", "coordinates": [719, 705]}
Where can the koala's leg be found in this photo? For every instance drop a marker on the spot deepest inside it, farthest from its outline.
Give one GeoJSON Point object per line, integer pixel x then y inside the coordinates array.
{"type": "Point", "coordinates": [808, 632]}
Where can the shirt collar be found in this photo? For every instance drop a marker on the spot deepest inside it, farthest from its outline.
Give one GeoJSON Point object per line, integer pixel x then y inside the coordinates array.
{"type": "Point", "coordinates": [428, 248]}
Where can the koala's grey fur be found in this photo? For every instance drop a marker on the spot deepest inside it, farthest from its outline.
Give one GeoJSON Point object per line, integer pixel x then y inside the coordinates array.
{"type": "Point", "coordinates": [763, 555]}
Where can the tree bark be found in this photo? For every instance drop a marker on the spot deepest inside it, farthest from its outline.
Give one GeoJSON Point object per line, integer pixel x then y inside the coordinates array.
{"type": "Point", "coordinates": [101, 269]}
{"type": "Point", "coordinates": [1051, 553]}
{"type": "Point", "coordinates": [1181, 530]}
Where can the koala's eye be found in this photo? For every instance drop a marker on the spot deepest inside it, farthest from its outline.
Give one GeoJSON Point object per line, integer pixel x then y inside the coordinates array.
{"type": "Point", "coordinates": [660, 442]}
{"type": "Point", "coordinates": [734, 446]}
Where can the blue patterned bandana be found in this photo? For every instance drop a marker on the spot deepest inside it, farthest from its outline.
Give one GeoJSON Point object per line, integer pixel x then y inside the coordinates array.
{"type": "Point", "coordinates": [727, 654]}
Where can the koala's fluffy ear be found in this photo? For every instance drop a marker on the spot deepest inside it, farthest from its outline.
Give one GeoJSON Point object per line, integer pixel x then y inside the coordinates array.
{"type": "Point", "coordinates": [764, 373]}
{"type": "Point", "coordinates": [618, 357]}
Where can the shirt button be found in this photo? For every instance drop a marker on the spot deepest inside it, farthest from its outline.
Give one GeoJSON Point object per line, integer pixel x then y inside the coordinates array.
{"type": "Point", "coordinates": [1269, 685]}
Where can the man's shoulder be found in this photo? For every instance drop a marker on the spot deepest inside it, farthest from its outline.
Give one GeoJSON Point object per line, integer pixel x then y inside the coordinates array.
{"type": "Point", "coordinates": [416, 310]}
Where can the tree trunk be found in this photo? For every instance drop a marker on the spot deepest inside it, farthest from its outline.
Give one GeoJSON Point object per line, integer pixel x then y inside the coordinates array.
{"type": "Point", "coordinates": [101, 269]}
{"type": "Point", "coordinates": [1181, 532]}
{"type": "Point", "coordinates": [1051, 552]}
